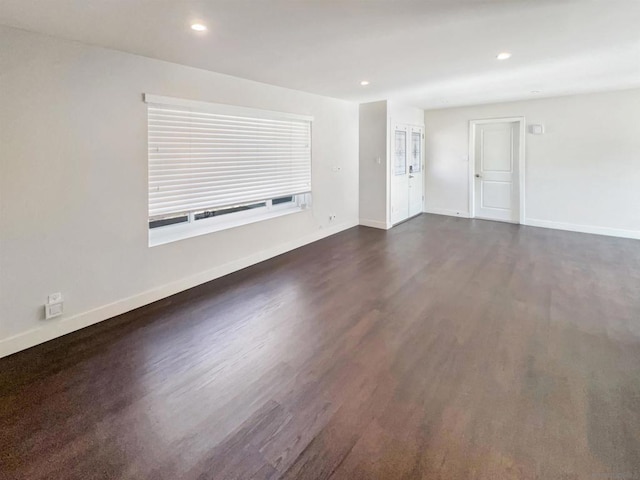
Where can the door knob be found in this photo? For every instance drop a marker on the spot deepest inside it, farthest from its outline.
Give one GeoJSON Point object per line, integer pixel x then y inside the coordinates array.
{"type": "Point", "coordinates": [477, 175]}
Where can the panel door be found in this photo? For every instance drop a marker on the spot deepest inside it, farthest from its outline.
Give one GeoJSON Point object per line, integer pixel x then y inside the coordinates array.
{"type": "Point", "coordinates": [416, 168]}
{"type": "Point", "coordinates": [399, 197]}
{"type": "Point", "coordinates": [496, 171]}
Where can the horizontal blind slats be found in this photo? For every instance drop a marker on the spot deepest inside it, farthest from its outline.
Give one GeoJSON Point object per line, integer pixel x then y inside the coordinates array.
{"type": "Point", "coordinates": [221, 156]}
{"type": "Point", "coordinates": [231, 199]}
{"type": "Point", "coordinates": [218, 117]}
{"type": "Point", "coordinates": [189, 120]}
{"type": "Point", "coordinates": [204, 160]}
{"type": "Point", "coordinates": [198, 193]}
{"type": "Point", "coordinates": [215, 175]}
{"type": "Point", "coordinates": [220, 161]}
{"type": "Point", "coordinates": [165, 188]}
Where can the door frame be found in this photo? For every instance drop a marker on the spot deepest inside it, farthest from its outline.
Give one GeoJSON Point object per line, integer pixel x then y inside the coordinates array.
{"type": "Point", "coordinates": [390, 170]}
{"type": "Point", "coordinates": [521, 162]}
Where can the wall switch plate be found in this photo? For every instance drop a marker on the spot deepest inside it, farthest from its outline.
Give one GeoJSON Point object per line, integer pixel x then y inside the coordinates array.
{"type": "Point", "coordinates": [54, 298]}
{"type": "Point", "coordinates": [536, 129]}
{"type": "Point", "coordinates": [52, 310]}
{"type": "Point", "coordinates": [54, 306]}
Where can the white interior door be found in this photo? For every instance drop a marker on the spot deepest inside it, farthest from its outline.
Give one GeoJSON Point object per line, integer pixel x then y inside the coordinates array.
{"type": "Point", "coordinates": [496, 176]}
{"type": "Point", "coordinates": [399, 196]}
{"type": "Point", "coordinates": [416, 168]}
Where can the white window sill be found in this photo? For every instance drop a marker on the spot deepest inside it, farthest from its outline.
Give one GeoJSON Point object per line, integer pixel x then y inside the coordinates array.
{"type": "Point", "coordinates": [174, 233]}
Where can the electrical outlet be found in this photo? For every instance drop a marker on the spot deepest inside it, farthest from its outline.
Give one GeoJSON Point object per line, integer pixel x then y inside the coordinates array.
{"type": "Point", "coordinates": [332, 217]}
{"type": "Point", "coordinates": [53, 310]}
{"type": "Point", "coordinates": [54, 306]}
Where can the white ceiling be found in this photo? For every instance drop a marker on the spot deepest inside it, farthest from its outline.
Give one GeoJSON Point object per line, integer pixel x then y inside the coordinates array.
{"type": "Point", "coordinates": [428, 53]}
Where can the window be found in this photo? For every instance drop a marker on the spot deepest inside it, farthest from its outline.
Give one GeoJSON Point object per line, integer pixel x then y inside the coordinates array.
{"type": "Point", "coordinates": [416, 152]}
{"type": "Point", "coordinates": [400, 153]}
{"type": "Point", "coordinates": [218, 166]}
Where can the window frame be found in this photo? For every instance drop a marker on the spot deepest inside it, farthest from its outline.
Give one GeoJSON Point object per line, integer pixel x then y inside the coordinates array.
{"type": "Point", "coordinates": [193, 227]}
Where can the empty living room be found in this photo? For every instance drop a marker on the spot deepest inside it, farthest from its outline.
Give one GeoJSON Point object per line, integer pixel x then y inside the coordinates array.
{"type": "Point", "coordinates": [320, 239]}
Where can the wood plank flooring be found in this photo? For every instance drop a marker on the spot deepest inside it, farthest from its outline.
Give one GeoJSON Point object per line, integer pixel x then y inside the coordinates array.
{"type": "Point", "coordinates": [442, 349]}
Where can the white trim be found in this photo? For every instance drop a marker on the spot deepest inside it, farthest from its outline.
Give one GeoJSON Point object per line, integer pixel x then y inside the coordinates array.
{"type": "Point", "coordinates": [522, 218]}
{"type": "Point", "coordinates": [54, 329]}
{"type": "Point", "coordinates": [494, 220]}
{"type": "Point", "coordinates": [448, 212]}
{"type": "Point", "coordinates": [375, 224]}
{"type": "Point", "coordinates": [572, 227]}
{"type": "Point", "coordinates": [222, 108]}
{"type": "Point", "coordinates": [181, 231]}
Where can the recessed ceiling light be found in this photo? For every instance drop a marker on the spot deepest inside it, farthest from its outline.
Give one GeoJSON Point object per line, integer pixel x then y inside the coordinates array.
{"type": "Point", "coordinates": [364, 83]}
{"type": "Point", "coordinates": [503, 55]}
{"type": "Point", "coordinates": [198, 27]}
{"type": "Point", "coordinates": [535, 91]}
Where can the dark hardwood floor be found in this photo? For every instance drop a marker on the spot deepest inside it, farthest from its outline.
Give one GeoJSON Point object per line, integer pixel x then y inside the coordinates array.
{"type": "Point", "coordinates": [442, 349]}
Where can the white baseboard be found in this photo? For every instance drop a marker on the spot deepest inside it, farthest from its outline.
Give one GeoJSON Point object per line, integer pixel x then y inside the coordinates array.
{"type": "Point", "coordinates": [571, 227]}
{"type": "Point", "coordinates": [375, 224]}
{"type": "Point", "coordinates": [56, 329]}
{"type": "Point", "coordinates": [450, 213]}
{"type": "Point", "coordinates": [612, 232]}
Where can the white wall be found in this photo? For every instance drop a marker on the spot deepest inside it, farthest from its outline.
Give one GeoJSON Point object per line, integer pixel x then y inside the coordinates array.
{"type": "Point", "coordinates": [405, 114]}
{"type": "Point", "coordinates": [376, 119]}
{"type": "Point", "coordinates": [73, 183]}
{"type": "Point", "coordinates": [373, 164]}
{"type": "Point", "coordinates": [583, 174]}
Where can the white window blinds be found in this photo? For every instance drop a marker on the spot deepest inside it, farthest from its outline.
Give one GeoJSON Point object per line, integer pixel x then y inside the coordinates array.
{"type": "Point", "coordinates": [206, 156]}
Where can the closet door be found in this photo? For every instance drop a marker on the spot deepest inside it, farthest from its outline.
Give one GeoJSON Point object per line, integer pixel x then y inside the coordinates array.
{"type": "Point", "coordinates": [416, 167]}
{"type": "Point", "coordinates": [399, 185]}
